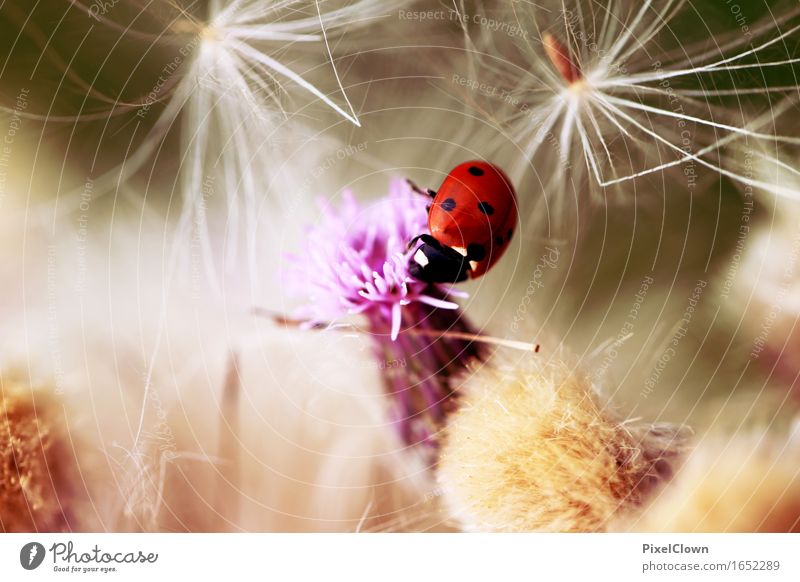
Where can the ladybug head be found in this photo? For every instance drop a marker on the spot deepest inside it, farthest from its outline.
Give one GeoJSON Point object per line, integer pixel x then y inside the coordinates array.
{"type": "Point", "coordinates": [434, 262]}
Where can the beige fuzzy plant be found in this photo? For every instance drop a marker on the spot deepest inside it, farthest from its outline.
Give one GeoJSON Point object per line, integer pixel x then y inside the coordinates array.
{"type": "Point", "coordinates": [535, 448]}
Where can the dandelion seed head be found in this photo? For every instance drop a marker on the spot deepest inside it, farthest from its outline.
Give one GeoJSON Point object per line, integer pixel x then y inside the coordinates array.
{"type": "Point", "coordinates": [610, 93]}
{"type": "Point", "coordinates": [239, 88]}
{"type": "Point", "coordinates": [209, 35]}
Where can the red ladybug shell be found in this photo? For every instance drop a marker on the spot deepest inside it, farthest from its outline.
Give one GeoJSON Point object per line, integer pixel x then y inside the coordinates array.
{"type": "Point", "coordinates": [475, 212]}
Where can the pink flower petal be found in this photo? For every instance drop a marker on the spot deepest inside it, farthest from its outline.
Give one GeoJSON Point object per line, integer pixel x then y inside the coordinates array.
{"type": "Point", "coordinates": [437, 302]}
{"type": "Point", "coordinates": [455, 292]}
{"type": "Point", "coordinates": [396, 320]}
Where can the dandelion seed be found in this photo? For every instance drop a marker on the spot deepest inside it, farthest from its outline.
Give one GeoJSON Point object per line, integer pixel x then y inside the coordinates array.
{"type": "Point", "coordinates": [592, 93]}
{"type": "Point", "coordinates": [229, 89]}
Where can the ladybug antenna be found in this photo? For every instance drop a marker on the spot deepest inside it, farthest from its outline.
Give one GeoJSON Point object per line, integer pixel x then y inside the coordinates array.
{"type": "Point", "coordinates": [560, 57]}
{"type": "Point", "coordinates": [284, 321]}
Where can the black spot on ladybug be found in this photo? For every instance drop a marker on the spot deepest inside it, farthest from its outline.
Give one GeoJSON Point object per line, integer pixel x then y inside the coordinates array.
{"type": "Point", "coordinates": [448, 204]}
{"type": "Point", "coordinates": [476, 252]}
{"type": "Point", "coordinates": [498, 240]}
{"type": "Point", "coordinates": [475, 171]}
{"type": "Point", "coordinates": [486, 208]}
{"type": "Point", "coordinates": [510, 232]}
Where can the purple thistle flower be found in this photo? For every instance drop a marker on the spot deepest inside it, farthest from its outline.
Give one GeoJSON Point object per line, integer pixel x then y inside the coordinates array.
{"type": "Point", "coordinates": [355, 263]}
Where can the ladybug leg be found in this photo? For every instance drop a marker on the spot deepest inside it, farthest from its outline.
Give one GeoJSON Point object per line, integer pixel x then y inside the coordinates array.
{"type": "Point", "coordinates": [430, 193]}
{"type": "Point", "coordinates": [413, 241]}
{"type": "Point", "coordinates": [426, 238]}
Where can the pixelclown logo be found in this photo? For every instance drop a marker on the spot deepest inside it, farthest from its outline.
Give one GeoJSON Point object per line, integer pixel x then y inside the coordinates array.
{"type": "Point", "coordinates": [31, 555]}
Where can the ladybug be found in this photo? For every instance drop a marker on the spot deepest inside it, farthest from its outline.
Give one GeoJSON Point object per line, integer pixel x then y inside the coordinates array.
{"type": "Point", "coordinates": [471, 219]}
